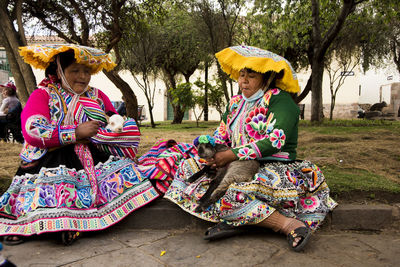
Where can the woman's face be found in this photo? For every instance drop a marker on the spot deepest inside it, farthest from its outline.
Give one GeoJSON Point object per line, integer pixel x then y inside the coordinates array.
{"type": "Point", "coordinates": [250, 82]}
{"type": "Point", "coordinates": [78, 76]}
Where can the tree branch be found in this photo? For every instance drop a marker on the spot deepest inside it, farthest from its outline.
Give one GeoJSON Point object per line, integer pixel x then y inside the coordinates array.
{"type": "Point", "coordinates": [347, 8]}
{"type": "Point", "coordinates": [84, 22]}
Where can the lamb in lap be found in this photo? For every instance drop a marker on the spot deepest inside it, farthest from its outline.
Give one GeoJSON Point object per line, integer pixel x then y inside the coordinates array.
{"type": "Point", "coordinates": [115, 123]}
{"type": "Point", "coordinates": [221, 178]}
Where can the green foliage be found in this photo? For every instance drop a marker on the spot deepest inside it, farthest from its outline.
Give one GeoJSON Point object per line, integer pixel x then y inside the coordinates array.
{"type": "Point", "coordinates": [183, 96]}
{"type": "Point", "coordinates": [179, 45]}
{"type": "Point", "coordinates": [283, 28]}
{"type": "Point", "coordinates": [216, 97]}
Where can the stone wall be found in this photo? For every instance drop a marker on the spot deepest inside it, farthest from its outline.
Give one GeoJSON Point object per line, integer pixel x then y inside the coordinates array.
{"type": "Point", "coordinates": [349, 111]}
{"type": "Point", "coordinates": [341, 111]}
{"type": "Point", "coordinates": [395, 99]}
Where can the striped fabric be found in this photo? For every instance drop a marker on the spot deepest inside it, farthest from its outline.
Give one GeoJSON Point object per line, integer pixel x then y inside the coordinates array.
{"type": "Point", "coordinates": [123, 144]}
{"type": "Point", "coordinates": [159, 164]}
{"type": "Point", "coordinates": [90, 110]}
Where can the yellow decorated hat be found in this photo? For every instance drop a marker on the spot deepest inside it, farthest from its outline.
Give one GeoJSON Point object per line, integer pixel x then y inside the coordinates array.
{"type": "Point", "coordinates": [235, 58]}
{"type": "Point", "coordinates": [40, 56]}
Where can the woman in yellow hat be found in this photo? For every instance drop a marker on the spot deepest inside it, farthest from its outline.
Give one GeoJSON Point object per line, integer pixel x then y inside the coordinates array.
{"type": "Point", "coordinates": [286, 195]}
{"type": "Point", "coordinates": [68, 181]}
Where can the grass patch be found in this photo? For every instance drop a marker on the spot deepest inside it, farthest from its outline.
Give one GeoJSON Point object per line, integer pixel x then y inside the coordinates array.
{"type": "Point", "coordinates": [346, 179]}
{"type": "Point", "coordinates": [186, 126]}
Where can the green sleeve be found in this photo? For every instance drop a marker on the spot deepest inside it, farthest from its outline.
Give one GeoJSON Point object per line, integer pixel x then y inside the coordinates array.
{"type": "Point", "coordinates": [281, 130]}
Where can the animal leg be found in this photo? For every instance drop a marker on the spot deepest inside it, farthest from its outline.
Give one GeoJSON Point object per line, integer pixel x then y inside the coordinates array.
{"type": "Point", "coordinates": [198, 174]}
{"type": "Point", "coordinates": [220, 190]}
{"type": "Point", "coordinates": [205, 199]}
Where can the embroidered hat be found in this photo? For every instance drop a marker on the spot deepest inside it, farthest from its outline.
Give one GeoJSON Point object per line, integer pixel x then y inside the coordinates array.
{"type": "Point", "coordinates": [40, 56]}
{"type": "Point", "coordinates": [9, 84]}
{"type": "Point", "coordinates": [235, 58]}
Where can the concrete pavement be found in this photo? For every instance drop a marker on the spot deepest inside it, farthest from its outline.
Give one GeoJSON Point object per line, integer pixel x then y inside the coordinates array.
{"type": "Point", "coordinates": [163, 235]}
{"type": "Point", "coordinates": [184, 247]}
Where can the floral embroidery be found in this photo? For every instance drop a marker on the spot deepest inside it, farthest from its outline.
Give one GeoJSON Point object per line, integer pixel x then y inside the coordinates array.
{"type": "Point", "coordinates": [268, 95]}
{"type": "Point", "coordinates": [233, 104]}
{"type": "Point", "coordinates": [275, 91]}
{"type": "Point", "coordinates": [246, 153]}
{"type": "Point", "coordinates": [84, 199]}
{"type": "Point", "coordinates": [65, 194]}
{"type": "Point", "coordinates": [4, 199]}
{"type": "Point", "coordinates": [109, 188]}
{"type": "Point", "coordinates": [256, 123]}
{"type": "Point", "coordinates": [130, 176]}
{"type": "Point", "coordinates": [47, 196]}
{"type": "Point", "coordinates": [225, 205]}
{"type": "Point", "coordinates": [309, 203]}
{"type": "Point", "coordinates": [221, 132]}
{"type": "Point", "coordinates": [277, 138]}
{"type": "Point", "coordinates": [67, 134]}
{"type": "Point", "coordinates": [28, 201]}
{"type": "Point", "coordinates": [16, 205]}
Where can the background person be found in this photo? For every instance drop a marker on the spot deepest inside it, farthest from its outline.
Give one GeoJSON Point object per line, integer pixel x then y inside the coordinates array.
{"type": "Point", "coordinates": [10, 99]}
{"type": "Point", "coordinates": [9, 102]}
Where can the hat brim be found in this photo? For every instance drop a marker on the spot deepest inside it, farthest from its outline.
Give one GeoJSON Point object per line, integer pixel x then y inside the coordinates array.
{"type": "Point", "coordinates": [234, 59]}
{"type": "Point", "coordinates": [40, 56]}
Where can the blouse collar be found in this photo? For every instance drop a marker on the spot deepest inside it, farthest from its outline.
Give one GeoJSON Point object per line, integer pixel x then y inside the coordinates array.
{"type": "Point", "coordinates": [255, 96]}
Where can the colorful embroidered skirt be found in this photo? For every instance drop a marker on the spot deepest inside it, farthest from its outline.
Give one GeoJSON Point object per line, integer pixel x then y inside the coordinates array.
{"type": "Point", "coordinates": [51, 199]}
{"type": "Point", "coordinates": [295, 189]}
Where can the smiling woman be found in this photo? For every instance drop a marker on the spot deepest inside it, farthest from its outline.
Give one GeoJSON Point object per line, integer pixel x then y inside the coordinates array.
{"type": "Point", "coordinates": [68, 180]}
{"type": "Point", "coordinates": [77, 77]}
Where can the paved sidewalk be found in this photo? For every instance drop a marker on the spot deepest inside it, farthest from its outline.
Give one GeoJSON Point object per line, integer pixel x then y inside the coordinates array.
{"type": "Point", "coordinates": [140, 239]}
{"type": "Point", "coordinates": [122, 247]}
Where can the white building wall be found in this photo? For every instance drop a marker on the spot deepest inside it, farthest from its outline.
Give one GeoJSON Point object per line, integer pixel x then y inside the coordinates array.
{"type": "Point", "coordinates": [101, 82]}
{"type": "Point", "coordinates": [358, 89]}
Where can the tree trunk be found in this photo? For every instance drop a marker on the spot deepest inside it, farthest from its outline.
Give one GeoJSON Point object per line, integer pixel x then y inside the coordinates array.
{"type": "Point", "coordinates": [223, 79]}
{"type": "Point", "coordinates": [316, 96]}
{"type": "Point", "coordinates": [206, 92]}
{"type": "Point", "coordinates": [305, 92]}
{"type": "Point", "coordinates": [153, 125]}
{"type": "Point", "coordinates": [178, 115]}
{"type": "Point", "coordinates": [22, 72]}
{"type": "Point", "coordinates": [333, 100]}
{"type": "Point", "coordinates": [127, 92]}
{"type": "Point", "coordinates": [320, 46]}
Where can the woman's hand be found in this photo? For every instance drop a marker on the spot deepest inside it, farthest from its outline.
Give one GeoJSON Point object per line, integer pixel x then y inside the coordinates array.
{"type": "Point", "coordinates": [86, 130]}
{"type": "Point", "coordinates": [222, 158]}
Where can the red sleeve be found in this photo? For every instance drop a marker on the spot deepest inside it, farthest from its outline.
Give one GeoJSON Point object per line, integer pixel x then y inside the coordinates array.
{"type": "Point", "coordinates": [36, 123]}
{"type": "Point", "coordinates": [107, 103]}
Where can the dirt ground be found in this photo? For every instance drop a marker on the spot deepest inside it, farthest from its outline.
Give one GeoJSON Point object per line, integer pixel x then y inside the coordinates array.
{"type": "Point", "coordinates": [375, 151]}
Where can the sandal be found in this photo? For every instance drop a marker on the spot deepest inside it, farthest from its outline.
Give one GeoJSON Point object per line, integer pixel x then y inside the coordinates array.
{"type": "Point", "coordinates": [69, 237]}
{"type": "Point", "coordinates": [304, 233]}
{"type": "Point", "coordinates": [223, 230]}
{"type": "Point", "coordinates": [10, 240]}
